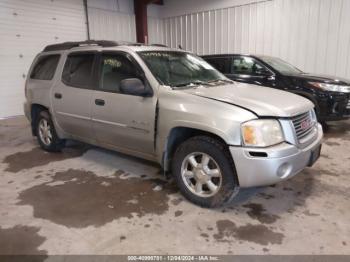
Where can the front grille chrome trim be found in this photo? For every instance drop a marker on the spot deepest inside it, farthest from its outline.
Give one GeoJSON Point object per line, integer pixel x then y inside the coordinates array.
{"type": "Point", "coordinates": [304, 126]}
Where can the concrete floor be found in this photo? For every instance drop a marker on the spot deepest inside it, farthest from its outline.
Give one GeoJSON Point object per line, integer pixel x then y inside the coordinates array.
{"type": "Point", "coordinates": [88, 200]}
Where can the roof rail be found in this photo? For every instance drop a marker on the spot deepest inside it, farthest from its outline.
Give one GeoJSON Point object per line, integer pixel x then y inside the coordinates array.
{"type": "Point", "coordinates": [69, 45]}
{"type": "Point", "coordinates": [102, 43]}
{"type": "Point", "coordinates": [160, 45]}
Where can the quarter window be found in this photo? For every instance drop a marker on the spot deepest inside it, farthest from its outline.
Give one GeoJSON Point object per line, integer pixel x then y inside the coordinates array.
{"type": "Point", "coordinates": [116, 68]}
{"type": "Point", "coordinates": [248, 66]}
{"type": "Point", "coordinates": [77, 71]}
{"type": "Point", "coordinates": [45, 67]}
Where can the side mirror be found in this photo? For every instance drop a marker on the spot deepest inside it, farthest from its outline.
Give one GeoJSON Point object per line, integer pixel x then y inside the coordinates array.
{"type": "Point", "coordinates": [263, 72]}
{"type": "Point", "coordinates": [271, 77]}
{"type": "Point", "coordinates": [135, 87]}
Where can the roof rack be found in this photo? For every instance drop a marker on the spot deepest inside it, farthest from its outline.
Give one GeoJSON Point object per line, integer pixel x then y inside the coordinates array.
{"type": "Point", "coordinates": [102, 43]}
{"type": "Point", "coordinates": [160, 45]}
{"type": "Point", "coordinates": [69, 45]}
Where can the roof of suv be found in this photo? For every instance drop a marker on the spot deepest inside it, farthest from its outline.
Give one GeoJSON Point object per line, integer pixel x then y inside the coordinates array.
{"type": "Point", "coordinates": [106, 44]}
{"type": "Point", "coordinates": [233, 54]}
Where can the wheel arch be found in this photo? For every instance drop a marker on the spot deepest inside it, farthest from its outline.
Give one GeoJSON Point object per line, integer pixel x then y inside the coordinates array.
{"type": "Point", "coordinates": [178, 135]}
{"type": "Point", "coordinates": [35, 110]}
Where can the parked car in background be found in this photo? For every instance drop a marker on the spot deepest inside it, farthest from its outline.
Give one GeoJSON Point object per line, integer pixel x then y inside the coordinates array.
{"type": "Point", "coordinates": [171, 107]}
{"type": "Point", "coordinates": [330, 95]}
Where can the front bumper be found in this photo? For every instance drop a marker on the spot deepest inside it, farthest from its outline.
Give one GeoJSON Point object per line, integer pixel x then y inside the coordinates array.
{"type": "Point", "coordinates": [334, 107]}
{"type": "Point", "coordinates": [274, 164]}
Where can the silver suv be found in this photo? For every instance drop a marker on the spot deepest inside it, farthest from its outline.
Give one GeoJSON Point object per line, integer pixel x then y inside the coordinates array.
{"type": "Point", "coordinates": [170, 106]}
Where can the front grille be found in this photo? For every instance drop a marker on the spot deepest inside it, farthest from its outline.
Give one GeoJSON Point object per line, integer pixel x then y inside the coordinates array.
{"type": "Point", "coordinates": [348, 105]}
{"type": "Point", "coordinates": [303, 125]}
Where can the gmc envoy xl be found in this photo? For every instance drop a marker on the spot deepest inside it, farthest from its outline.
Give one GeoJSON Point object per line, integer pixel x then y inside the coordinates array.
{"type": "Point", "coordinates": [170, 106]}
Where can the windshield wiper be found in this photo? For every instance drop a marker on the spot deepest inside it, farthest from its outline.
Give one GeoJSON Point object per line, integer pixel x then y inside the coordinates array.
{"type": "Point", "coordinates": [192, 83]}
{"type": "Point", "coordinates": [221, 80]}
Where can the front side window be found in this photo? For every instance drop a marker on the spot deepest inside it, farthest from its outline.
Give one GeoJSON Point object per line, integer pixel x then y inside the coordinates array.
{"type": "Point", "coordinates": [248, 66]}
{"type": "Point", "coordinates": [45, 67]}
{"type": "Point", "coordinates": [77, 71]}
{"type": "Point", "coordinates": [177, 69]}
{"type": "Point", "coordinates": [114, 69]}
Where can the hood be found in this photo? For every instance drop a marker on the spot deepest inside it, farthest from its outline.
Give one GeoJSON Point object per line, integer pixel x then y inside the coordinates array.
{"type": "Point", "coordinates": [321, 78]}
{"type": "Point", "coordinates": [263, 101]}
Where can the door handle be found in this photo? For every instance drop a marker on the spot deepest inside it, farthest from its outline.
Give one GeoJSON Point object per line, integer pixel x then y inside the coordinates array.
{"type": "Point", "coordinates": [99, 102]}
{"type": "Point", "coordinates": [58, 95]}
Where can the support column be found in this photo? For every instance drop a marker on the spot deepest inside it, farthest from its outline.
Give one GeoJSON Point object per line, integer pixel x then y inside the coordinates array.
{"type": "Point", "coordinates": [141, 21]}
{"type": "Point", "coordinates": [140, 7]}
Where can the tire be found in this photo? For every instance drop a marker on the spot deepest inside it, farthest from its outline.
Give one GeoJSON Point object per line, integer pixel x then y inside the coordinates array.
{"type": "Point", "coordinates": [46, 133]}
{"type": "Point", "coordinates": [325, 126]}
{"type": "Point", "coordinates": [220, 167]}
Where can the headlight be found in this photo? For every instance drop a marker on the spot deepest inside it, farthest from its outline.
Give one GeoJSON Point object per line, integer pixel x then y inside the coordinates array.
{"type": "Point", "coordinates": [262, 133]}
{"type": "Point", "coordinates": [331, 87]}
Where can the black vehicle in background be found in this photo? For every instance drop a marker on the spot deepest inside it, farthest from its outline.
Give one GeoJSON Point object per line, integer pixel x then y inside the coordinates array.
{"type": "Point", "coordinates": [330, 95]}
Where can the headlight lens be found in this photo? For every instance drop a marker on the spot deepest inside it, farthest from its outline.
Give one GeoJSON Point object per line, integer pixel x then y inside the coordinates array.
{"type": "Point", "coordinates": [331, 87]}
{"type": "Point", "coordinates": [262, 133]}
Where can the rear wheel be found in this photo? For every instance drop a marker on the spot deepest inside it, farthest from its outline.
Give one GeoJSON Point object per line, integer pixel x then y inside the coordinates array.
{"type": "Point", "coordinates": [46, 133]}
{"type": "Point", "coordinates": [204, 171]}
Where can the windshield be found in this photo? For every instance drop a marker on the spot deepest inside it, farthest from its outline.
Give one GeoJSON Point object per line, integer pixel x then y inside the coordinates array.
{"type": "Point", "coordinates": [179, 69]}
{"type": "Point", "coordinates": [280, 65]}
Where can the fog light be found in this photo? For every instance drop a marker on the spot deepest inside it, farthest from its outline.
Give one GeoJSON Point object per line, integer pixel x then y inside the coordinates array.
{"type": "Point", "coordinates": [284, 170]}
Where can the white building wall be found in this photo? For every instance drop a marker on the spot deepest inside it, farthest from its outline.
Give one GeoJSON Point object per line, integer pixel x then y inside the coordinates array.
{"type": "Point", "coordinates": [314, 35]}
{"type": "Point", "coordinates": [26, 27]}
{"type": "Point", "coordinates": [115, 20]}
{"type": "Point", "coordinates": [183, 7]}
{"type": "Point", "coordinates": [311, 34]}
{"type": "Point", "coordinates": [156, 31]}
{"type": "Point", "coordinates": [112, 20]}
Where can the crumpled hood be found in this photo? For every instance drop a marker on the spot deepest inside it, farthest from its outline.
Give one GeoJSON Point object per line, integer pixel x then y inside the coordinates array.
{"type": "Point", "coordinates": [263, 101]}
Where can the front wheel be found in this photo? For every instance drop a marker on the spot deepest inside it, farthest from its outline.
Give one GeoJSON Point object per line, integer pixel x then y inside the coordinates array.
{"type": "Point", "coordinates": [46, 133]}
{"type": "Point", "coordinates": [204, 171]}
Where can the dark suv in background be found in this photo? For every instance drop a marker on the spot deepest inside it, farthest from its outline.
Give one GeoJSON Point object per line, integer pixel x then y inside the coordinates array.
{"type": "Point", "coordinates": [330, 95]}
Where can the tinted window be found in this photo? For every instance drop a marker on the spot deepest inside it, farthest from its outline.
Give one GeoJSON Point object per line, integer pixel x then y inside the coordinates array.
{"type": "Point", "coordinates": [45, 67]}
{"type": "Point", "coordinates": [248, 66]}
{"type": "Point", "coordinates": [77, 70]}
{"type": "Point", "coordinates": [220, 63]}
{"type": "Point", "coordinates": [116, 68]}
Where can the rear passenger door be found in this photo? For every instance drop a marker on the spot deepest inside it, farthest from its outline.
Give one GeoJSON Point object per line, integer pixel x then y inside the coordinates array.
{"type": "Point", "coordinates": [72, 95]}
{"type": "Point", "coordinates": [121, 120]}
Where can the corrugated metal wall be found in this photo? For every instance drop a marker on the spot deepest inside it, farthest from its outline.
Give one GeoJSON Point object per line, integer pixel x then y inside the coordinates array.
{"type": "Point", "coordinates": [156, 31]}
{"type": "Point", "coordinates": [311, 34]}
{"type": "Point", "coordinates": [25, 28]}
{"type": "Point", "coordinates": [108, 21]}
{"type": "Point", "coordinates": [314, 35]}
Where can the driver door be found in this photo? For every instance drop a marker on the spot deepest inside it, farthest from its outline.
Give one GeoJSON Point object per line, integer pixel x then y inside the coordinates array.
{"type": "Point", "coordinates": [248, 70]}
{"type": "Point", "coordinates": [120, 120]}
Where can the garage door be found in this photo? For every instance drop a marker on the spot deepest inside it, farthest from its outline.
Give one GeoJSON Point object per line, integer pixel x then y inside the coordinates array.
{"type": "Point", "coordinates": [25, 28]}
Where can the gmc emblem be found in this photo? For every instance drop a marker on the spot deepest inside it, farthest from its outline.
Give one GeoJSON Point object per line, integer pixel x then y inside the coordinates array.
{"type": "Point", "coordinates": [305, 124]}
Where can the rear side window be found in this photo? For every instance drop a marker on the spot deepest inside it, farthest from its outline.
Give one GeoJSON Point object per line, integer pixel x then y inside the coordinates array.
{"type": "Point", "coordinates": [222, 64]}
{"type": "Point", "coordinates": [77, 71]}
{"type": "Point", "coordinates": [45, 67]}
